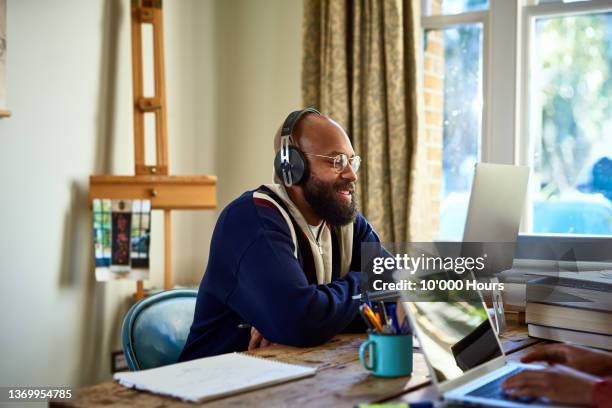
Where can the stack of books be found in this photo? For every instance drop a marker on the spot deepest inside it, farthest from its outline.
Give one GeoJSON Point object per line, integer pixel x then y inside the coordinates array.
{"type": "Point", "coordinates": [570, 310]}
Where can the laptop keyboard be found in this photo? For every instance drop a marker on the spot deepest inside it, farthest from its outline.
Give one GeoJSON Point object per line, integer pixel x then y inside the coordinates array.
{"type": "Point", "coordinates": [493, 389]}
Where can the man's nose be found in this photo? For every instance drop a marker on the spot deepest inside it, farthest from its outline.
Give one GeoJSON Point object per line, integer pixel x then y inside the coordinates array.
{"type": "Point", "coordinates": [349, 173]}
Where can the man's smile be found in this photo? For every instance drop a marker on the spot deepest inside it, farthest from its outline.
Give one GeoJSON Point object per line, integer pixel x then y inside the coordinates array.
{"type": "Point", "coordinates": [345, 195]}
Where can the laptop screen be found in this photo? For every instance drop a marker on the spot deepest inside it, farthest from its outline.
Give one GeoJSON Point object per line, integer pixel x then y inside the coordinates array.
{"type": "Point", "coordinates": [454, 336]}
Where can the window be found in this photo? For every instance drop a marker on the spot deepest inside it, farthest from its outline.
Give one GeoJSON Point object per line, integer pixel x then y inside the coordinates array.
{"type": "Point", "coordinates": [570, 121]}
{"type": "Point", "coordinates": [453, 79]}
{"type": "Point", "coordinates": [521, 82]}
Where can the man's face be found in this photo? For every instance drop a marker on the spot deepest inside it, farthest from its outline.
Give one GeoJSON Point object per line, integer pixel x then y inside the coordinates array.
{"type": "Point", "coordinates": [330, 193]}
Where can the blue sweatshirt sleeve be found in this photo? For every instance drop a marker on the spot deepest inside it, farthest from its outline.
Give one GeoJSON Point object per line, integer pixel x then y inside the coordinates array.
{"type": "Point", "coordinates": [362, 233]}
{"type": "Point", "coordinates": [273, 294]}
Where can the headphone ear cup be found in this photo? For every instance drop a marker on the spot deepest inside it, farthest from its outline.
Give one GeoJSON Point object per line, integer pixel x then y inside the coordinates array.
{"type": "Point", "coordinates": [297, 166]}
{"type": "Point", "coordinates": [278, 170]}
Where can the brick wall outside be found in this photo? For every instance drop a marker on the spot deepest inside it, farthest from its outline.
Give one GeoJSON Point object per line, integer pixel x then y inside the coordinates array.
{"type": "Point", "coordinates": [433, 83]}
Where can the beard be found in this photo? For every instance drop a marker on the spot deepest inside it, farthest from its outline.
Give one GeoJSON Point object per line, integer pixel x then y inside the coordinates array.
{"type": "Point", "coordinates": [323, 199]}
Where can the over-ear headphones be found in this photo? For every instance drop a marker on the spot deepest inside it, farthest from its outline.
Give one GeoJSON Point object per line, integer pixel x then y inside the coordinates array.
{"type": "Point", "coordinates": [290, 165]}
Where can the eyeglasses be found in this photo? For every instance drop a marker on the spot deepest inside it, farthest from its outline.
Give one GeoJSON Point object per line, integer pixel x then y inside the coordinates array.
{"type": "Point", "coordinates": [341, 161]}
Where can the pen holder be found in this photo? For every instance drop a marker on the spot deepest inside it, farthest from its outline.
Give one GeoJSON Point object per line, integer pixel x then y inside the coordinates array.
{"type": "Point", "coordinates": [389, 355]}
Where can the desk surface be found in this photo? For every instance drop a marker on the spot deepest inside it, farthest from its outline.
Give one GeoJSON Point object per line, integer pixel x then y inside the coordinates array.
{"type": "Point", "coordinates": [340, 381]}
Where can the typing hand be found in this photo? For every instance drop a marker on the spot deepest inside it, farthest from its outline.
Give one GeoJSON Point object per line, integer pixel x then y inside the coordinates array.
{"type": "Point", "coordinates": [559, 384]}
{"type": "Point", "coordinates": [257, 340]}
{"type": "Point", "coordinates": [583, 359]}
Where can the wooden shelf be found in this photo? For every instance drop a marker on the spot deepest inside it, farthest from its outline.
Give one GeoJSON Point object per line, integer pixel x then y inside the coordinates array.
{"type": "Point", "coordinates": [5, 113]}
{"type": "Point", "coordinates": [165, 192]}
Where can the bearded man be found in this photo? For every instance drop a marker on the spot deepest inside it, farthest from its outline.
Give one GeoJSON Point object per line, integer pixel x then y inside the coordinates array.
{"type": "Point", "coordinates": [284, 262]}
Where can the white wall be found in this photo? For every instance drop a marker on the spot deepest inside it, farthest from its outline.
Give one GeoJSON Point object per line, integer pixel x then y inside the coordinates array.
{"type": "Point", "coordinates": [190, 46]}
{"type": "Point", "coordinates": [232, 70]}
{"type": "Point", "coordinates": [258, 66]}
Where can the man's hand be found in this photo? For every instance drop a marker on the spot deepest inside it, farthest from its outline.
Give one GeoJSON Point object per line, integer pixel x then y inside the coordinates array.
{"type": "Point", "coordinates": [583, 359]}
{"type": "Point", "coordinates": [257, 340]}
{"type": "Point", "coordinates": [559, 384]}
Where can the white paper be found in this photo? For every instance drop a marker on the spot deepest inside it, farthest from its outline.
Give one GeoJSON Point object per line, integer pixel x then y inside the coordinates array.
{"type": "Point", "coordinates": [213, 377]}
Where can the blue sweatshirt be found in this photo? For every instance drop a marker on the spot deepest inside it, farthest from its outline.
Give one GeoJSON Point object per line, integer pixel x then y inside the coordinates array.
{"type": "Point", "coordinates": [254, 277]}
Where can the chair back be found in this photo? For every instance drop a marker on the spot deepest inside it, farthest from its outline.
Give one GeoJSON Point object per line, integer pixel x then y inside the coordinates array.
{"type": "Point", "coordinates": [155, 329]}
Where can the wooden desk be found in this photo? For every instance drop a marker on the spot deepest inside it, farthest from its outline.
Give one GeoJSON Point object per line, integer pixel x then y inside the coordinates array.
{"type": "Point", "coordinates": [340, 381]}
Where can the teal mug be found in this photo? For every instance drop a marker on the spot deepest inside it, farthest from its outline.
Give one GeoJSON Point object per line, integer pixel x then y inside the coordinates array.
{"type": "Point", "coordinates": [389, 355]}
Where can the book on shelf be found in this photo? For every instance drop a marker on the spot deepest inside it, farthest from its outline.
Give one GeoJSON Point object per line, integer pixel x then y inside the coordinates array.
{"type": "Point", "coordinates": [566, 317]}
{"type": "Point", "coordinates": [577, 337]}
{"type": "Point", "coordinates": [578, 293]}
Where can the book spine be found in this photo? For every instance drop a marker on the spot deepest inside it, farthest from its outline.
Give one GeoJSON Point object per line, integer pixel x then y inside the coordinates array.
{"type": "Point", "coordinates": [570, 336]}
{"type": "Point", "coordinates": [569, 318]}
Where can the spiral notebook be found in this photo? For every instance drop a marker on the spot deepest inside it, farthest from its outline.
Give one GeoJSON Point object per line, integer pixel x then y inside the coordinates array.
{"type": "Point", "coordinates": [213, 377]}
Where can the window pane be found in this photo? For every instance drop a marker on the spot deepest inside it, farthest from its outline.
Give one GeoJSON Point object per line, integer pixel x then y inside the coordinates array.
{"type": "Point", "coordinates": [571, 123]}
{"type": "Point", "coordinates": [453, 104]}
{"type": "Point", "coordinates": [437, 7]}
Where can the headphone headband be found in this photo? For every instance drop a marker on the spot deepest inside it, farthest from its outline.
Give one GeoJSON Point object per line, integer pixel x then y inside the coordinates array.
{"type": "Point", "coordinates": [292, 119]}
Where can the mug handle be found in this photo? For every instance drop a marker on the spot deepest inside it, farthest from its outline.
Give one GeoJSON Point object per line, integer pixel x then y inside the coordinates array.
{"type": "Point", "coordinates": [368, 344]}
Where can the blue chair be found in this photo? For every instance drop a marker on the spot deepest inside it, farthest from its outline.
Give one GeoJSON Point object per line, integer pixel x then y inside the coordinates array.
{"type": "Point", "coordinates": [155, 329]}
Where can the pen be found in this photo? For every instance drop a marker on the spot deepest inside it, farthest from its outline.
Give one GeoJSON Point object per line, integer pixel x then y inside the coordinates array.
{"type": "Point", "coordinates": [421, 404]}
{"type": "Point", "coordinates": [387, 322]}
{"type": "Point", "coordinates": [365, 318]}
{"type": "Point", "coordinates": [370, 315]}
{"type": "Point", "coordinates": [392, 313]}
{"type": "Point", "coordinates": [377, 315]}
{"type": "Point", "coordinates": [386, 295]}
{"type": "Point", "coordinates": [402, 319]}
{"type": "Point", "coordinates": [383, 312]}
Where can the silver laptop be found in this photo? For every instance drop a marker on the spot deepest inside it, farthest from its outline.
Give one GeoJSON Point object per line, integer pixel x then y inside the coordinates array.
{"type": "Point", "coordinates": [494, 215]}
{"type": "Point", "coordinates": [463, 353]}
{"type": "Point", "coordinates": [496, 203]}
{"type": "Point", "coordinates": [464, 356]}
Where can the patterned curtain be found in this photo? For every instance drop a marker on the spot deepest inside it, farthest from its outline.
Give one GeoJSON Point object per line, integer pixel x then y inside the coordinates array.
{"type": "Point", "coordinates": [359, 67]}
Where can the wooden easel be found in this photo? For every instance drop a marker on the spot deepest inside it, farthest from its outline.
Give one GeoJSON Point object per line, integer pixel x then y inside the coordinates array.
{"type": "Point", "coordinates": [152, 181]}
